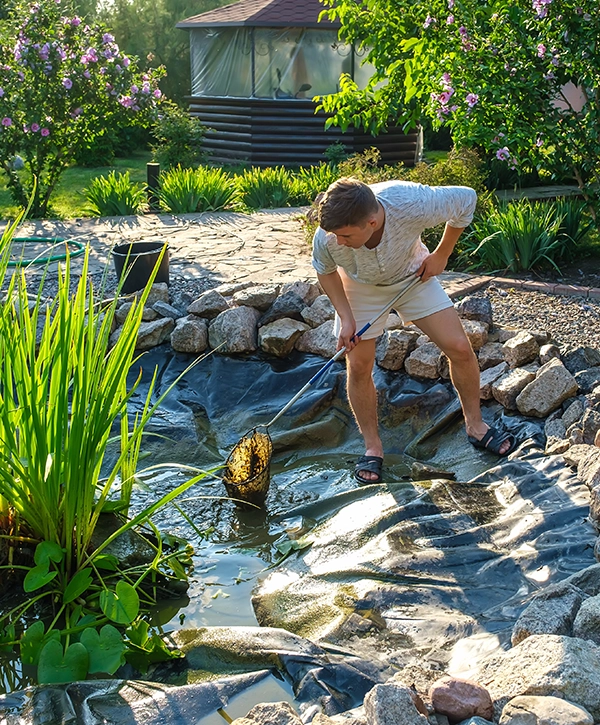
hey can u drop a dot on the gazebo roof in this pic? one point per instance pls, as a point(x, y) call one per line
point(263, 13)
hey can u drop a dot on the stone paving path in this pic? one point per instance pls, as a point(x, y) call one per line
point(226, 247)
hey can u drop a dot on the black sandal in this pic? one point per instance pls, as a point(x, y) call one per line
point(373, 464)
point(492, 441)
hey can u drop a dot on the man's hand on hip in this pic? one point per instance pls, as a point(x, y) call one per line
point(431, 266)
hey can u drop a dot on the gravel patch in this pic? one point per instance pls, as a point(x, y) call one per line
point(571, 321)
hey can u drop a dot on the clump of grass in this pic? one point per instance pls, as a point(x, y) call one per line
point(115, 195)
point(268, 188)
point(186, 191)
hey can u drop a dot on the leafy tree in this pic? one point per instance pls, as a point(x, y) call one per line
point(520, 80)
point(62, 82)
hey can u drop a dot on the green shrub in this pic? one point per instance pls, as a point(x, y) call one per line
point(268, 188)
point(522, 236)
point(308, 183)
point(115, 195)
point(178, 138)
point(185, 191)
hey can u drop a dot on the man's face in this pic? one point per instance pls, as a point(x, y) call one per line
point(355, 235)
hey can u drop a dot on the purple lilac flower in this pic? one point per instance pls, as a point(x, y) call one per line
point(76, 21)
point(503, 154)
point(45, 132)
point(463, 31)
point(145, 87)
point(428, 21)
point(126, 61)
point(541, 50)
point(472, 99)
point(1, 92)
point(446, 80)
point(67, 83)
point(108, 38)
point(555, 61)
point(444, 97)
point(35, 127)
point(134, 89)
point(541, 7)
point(539, 141)
point(87, 74)
point(157, 93)
point(6, 121)
point(450, 4)
point(449, 19)
point(126, 101)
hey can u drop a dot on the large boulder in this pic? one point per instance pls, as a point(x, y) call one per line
point(319, 312)
point(190, 335)
point(151, 334)
point(587, 621)
point(475, 308)
point(549, 710)
point(234, 330)
point(546, 664)
point(487, 379)
point(460, 699)
point(393, 347)
point(288, 304)
point(552, 611)
point(521, 349)
point(588, 379)
point(320, 341)
point(392, 704)
point(424, 362)
point(307, 291)
point(260, 296)
point(210, 304)
point(270, 713)
point(581, 358)
point(279, 337)
point(553, 384)
point(477, 332)
point(509, 386)
point(490, 355)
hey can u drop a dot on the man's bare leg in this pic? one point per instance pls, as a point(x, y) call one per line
point(363, 398)
point(445, 329)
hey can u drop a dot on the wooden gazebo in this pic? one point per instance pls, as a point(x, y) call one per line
point(255, 67)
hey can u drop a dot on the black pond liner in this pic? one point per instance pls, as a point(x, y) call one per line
point(136, 260)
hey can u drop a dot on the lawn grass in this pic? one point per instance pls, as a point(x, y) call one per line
point(67, 200)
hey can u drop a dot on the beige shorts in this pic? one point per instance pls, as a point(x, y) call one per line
point(367, 300)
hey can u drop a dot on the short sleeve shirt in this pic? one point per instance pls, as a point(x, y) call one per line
point(409, 209)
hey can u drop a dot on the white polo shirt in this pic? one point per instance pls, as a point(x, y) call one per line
point(409, 209)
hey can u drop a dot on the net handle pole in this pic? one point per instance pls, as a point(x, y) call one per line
point(339, 353)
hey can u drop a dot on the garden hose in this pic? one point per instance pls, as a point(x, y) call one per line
point(54, 241)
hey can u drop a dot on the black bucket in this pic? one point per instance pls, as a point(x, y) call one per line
point(137, 260)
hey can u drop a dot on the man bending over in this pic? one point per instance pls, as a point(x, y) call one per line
point(366, 250)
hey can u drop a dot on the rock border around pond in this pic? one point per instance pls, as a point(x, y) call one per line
point(553, 665)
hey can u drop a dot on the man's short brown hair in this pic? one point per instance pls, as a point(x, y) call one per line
point(347, 202)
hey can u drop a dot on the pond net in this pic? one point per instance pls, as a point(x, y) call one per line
point(247, 469)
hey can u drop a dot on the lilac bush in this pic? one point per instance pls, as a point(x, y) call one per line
point(518, 80)
point(62, 82)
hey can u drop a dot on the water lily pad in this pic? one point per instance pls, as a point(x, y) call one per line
point(78, 584)
point(105, 648)
point(122, 605)
point(58, 667)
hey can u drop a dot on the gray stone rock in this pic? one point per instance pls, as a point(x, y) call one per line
point(546, 664)
point(319, 312)
point(307, 291)
point(548, 352)
point(424, 361)
point(477, 332)
point(549, 710)
point(588, 468)
point(587, 621)
point(320, 341)
point(210, 304)
point(573, 412)
point(393, 347)
point(164, 309)
point(159, 292)
point(487, 379)
point(555, 428)
point(475, 308)
point(392, 704)
point(506, 333)
point(590, 425)
point(554, 446)
point(490, 355)
point(460, 699)
point(286, 305)
point(123, 310)
point(553, 384)
point(260, 296)
point(394, 322)
point(234, 330)
point(575, 454)
point(542, 337)
point(228, 289)
point(279, 337)
point(356, 716)
point(581, 358)
point(190, 335)
point(521, 349)
point(551, 611)
point(588, 580)
point(575, 435)
point(588, 379)
point(273, 713)
point(509, 386)
point(150, 334)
